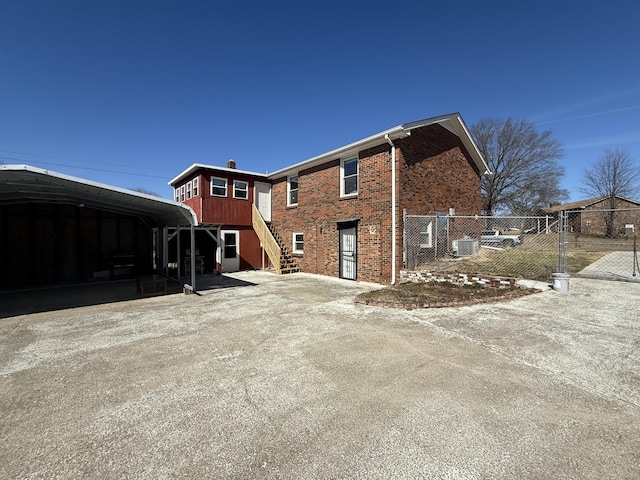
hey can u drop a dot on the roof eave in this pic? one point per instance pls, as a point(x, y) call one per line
point(200, 166)
point(347, 150)
point(452, 122)
point(89, 187)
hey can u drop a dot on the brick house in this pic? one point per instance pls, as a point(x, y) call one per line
point(599, 216)
point(340, 213)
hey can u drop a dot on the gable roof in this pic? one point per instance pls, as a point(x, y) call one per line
point(24, 184)
point(452, 122)
point(201, 166)
point(583, 204)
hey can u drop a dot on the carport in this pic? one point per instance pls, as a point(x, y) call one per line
point(56, 228)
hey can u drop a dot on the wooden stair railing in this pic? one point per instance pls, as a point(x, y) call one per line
point(279, 255)
point(268, 242)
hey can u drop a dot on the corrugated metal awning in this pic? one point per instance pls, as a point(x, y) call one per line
point(27, 184)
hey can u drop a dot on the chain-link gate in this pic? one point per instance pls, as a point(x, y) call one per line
point(608, 238)
point(590, 244)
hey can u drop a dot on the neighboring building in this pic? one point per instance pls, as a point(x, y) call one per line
point(340, 213)
point(599, 216)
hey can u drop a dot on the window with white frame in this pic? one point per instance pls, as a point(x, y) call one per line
point(188, 190)
point(218, 187)
point(425, 226)
point(182, 193)
point(349, 176)
point(298, 242)
point(240, 189)
point(292, 190)
point(195, 187)
point(177, 194)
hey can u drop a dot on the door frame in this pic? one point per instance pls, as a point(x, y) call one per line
point(256, 191)
point(342, 226)
point(229, 265)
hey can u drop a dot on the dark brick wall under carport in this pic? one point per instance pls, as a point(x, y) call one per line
point(48, 243)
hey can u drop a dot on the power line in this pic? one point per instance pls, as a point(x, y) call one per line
point(83, 168)
point(30, 154)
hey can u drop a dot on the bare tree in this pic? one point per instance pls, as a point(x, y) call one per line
point(526, 175)
point(614, 175)
point(145, 191)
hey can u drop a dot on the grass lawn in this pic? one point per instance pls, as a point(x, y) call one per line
point(535, 259)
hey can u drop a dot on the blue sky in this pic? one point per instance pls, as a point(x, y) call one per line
point(130, 93)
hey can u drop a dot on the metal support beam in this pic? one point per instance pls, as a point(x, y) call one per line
point(179, 271)
point(193, 257)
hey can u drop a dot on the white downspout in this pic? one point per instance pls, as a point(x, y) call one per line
point(393, 209)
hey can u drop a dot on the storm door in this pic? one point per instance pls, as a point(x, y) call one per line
point(230, 250)
point(348, 253)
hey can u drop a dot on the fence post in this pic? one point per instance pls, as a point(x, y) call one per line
point(404, 237)
point(562, 241)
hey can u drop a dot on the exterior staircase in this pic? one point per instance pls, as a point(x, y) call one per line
point(278, 253)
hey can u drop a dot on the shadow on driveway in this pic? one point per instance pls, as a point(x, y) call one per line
point(63, 296)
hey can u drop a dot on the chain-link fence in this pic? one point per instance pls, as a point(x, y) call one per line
point(531, 247)
point(608, 238)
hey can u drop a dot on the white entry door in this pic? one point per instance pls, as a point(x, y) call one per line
point(262, 199)
point(230, 243)
point(348, 253)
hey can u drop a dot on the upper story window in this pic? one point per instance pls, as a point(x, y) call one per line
point(298, 242)
point(292, 190)
point(240, 189)
point(188, 190)
point(218, 187)
point(182, 193)
point(195, 187)
point(177, 194)
point(349, 176)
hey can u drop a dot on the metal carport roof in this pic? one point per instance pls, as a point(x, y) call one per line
point(24, 184)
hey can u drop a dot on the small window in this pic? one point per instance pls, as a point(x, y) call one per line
point(230, 245)
point(349, 177)
point(195, 187)
point(182, 193)
point(218, 187)
point(298, 242)
point(188, 190)
point(177, 194)
point(240, 189)
point(292, 190)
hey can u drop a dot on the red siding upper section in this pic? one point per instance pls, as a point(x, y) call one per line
point(221, 210)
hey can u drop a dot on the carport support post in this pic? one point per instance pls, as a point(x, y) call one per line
point(165, 249)
point(179, 270)
point(193, 257)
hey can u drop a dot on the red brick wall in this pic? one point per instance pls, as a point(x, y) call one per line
point(593, 220)
point(434, 173)
point(320, 207)
point(437, 173)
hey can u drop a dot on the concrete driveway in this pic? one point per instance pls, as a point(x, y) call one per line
point(614, 266)
point(285, 377)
